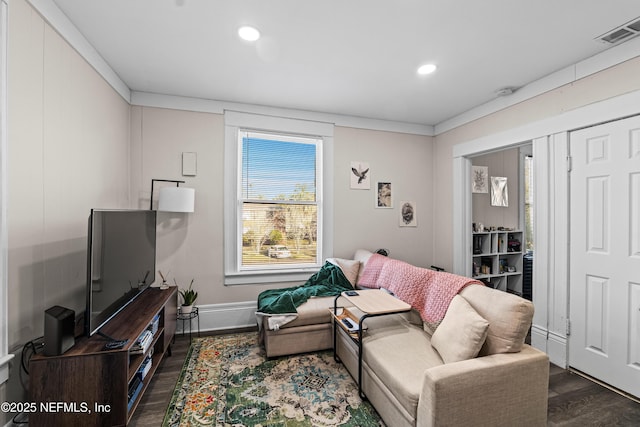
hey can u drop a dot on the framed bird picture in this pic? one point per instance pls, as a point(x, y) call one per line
point(360, 176)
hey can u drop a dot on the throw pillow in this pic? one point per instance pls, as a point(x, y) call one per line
point(349, 267)
point(461, 334)
point(363, 256)
point(509, 318)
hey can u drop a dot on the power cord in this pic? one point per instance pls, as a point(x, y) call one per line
point(34, 345)
point(30, 348)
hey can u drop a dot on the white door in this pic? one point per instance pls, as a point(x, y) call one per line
point(604, 273)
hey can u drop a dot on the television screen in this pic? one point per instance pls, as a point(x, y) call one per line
point(121, 262)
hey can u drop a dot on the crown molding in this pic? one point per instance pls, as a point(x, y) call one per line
point(603, 60)
point(146, 99)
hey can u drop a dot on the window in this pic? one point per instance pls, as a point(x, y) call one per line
point(528, 202)
point(278, 201)
point(278, 198)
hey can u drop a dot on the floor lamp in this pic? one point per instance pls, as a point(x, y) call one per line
point(173, 199)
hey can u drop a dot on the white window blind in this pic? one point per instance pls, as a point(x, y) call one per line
point(278, 200)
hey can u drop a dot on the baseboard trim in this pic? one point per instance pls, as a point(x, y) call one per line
point(552, 343)
point(217, 317)
point(557, 349)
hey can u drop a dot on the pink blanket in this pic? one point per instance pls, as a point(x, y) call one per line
point(429, 292)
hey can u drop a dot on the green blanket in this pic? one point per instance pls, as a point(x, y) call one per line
point(328, 281)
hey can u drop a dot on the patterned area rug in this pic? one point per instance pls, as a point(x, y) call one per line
point(227, 381)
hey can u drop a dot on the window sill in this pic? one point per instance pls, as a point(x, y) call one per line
point(4, 367)
point(256, 278)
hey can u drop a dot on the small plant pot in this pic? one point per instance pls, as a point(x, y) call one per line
point(186, 309)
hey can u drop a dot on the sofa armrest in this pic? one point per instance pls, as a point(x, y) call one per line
point(506, 389)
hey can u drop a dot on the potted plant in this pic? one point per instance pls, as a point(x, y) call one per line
point(189, 297)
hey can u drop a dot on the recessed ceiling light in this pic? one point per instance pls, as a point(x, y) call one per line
point(426, 69)
point(249, 34)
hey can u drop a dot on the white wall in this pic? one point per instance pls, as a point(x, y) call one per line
point(191, 245)
point(503, 163)
point(407, 162)
point(68, 143)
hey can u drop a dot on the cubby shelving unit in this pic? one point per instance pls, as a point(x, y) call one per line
point(496, 261)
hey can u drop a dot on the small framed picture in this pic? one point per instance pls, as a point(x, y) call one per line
point(360, 176)
point(480, 179)
point(408, 214)
point(384, 198)
point(499, 191)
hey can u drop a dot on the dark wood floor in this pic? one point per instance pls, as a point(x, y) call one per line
point(573, 399)
point(577, 401)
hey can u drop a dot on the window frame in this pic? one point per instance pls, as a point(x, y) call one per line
point(5, 356)
point(317, 142)
point(236, 122)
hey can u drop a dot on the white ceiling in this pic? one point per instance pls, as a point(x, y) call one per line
point(348, 57)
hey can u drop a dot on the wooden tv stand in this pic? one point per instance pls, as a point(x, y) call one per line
point(88, 385)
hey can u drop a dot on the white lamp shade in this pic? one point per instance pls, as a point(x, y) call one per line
point(176, 199)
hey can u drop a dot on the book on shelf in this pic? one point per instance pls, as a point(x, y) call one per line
point(153, 327)
point(142, 343)
point(134, 390)
point(145, 367)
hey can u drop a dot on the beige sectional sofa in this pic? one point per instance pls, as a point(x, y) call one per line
point(312, 330)
point(409, 382)
point(472, 370)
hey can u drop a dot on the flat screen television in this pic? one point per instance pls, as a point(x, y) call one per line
point(121, 262)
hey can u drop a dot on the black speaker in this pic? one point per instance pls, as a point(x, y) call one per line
point(59, 327)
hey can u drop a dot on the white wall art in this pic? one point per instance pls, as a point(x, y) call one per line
point(383, 195)
point(499, 192)
point(408, 214)
point(360, 176)
point(480, 179)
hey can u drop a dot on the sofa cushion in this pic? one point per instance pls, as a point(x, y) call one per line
point(363, 256)
point(349, 267)
point(461, 333)
point(399, 354)
point(509, 318)
point(314, 311)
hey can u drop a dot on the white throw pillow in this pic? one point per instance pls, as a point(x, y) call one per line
point(461, 334)
point(362, 255)
point(349, 267)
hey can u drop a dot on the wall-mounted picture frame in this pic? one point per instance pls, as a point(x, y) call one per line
point(499, 191)
point(360, 176)
point(479, 179)
point(408, 214)
point(384, 199)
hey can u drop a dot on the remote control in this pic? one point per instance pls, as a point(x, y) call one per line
point(350, 325)
point(113, 345)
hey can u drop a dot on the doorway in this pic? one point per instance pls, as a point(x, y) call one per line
point(550, 138)
point(502, 210)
